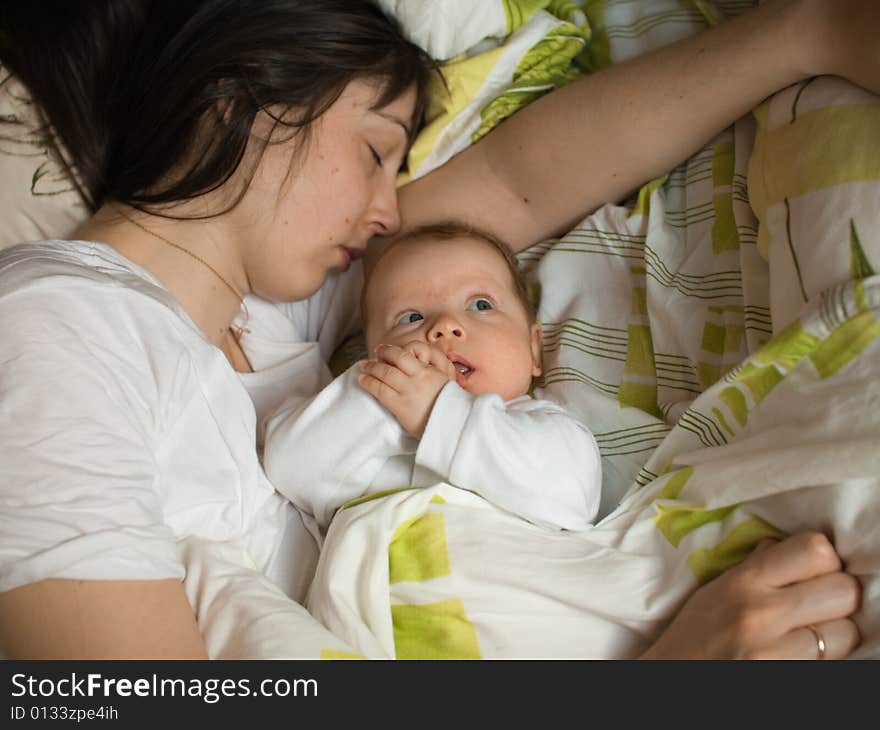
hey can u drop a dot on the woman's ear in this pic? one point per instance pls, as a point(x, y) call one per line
point(536, 349)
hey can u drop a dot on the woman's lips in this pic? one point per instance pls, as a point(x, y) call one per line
point(350, 254)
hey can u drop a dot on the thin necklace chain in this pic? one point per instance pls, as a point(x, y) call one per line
point(186, 251)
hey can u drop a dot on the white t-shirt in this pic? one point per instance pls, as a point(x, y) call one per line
point(123, 430)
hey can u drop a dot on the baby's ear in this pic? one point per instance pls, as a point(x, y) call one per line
point(536, 349)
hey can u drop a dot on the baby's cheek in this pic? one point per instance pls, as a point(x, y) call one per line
point(514, 373)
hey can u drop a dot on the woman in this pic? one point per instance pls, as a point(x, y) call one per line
point(251, 148)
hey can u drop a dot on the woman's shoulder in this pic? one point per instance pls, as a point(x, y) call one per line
point(36, 264)
point(70, 281)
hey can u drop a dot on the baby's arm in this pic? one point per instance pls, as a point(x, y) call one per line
point(529, 457)
point(324, 451)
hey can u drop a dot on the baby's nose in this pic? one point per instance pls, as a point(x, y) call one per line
point(445, 327)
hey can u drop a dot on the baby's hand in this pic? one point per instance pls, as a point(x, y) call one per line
point(405, 384)
point(431, 355)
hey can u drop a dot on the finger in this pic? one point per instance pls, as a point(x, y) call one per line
point(442, 363)
point(421, 350)
point(765, 543)
point(832, 640)
point(826, 598)
point(391, 375)
point(797, 558)
point(400, 358)
point(382, 392)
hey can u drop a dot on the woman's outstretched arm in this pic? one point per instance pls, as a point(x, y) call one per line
point(95, 619)
point(764, 608)
point(598, 139)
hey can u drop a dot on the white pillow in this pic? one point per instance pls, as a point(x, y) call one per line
point(39, 200)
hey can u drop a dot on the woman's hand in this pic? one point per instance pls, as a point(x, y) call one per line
point(763, 608)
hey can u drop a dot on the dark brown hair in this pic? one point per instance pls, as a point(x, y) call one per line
point(448, 231)
point(130, 86)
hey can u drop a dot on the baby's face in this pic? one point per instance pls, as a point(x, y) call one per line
point(459, 296)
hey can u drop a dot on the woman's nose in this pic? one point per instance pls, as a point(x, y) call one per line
point(445, 327)
point(385, 213)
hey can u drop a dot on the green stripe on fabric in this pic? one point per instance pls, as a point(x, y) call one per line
point(861, 301)
point(759, 380)
point(725, 234)
point(736, 404)
point(844, 344)
point(677, 521)
point(598, 52)
point(776, 358)
point(639, 300)
point(418, 549)
point(375, 495)
point(709, 13)
point(708, 373)
point(723, 421)
point(334, 654)
point(789, 347)
point(643, 204)
point(639, 395)
point(733, 337)
point(639, 351)
point(860, 267)
point(439, 630)
point(713, 338)
point(519, 11)
point(707, 563)
point(722, 164)
point(676, 482)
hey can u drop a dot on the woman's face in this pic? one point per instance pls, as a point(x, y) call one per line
point(310, 212)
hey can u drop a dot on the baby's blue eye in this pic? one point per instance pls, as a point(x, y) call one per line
point(409, 318)
point(480, 305)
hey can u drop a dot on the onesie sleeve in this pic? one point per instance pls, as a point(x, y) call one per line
point(323, 451)
point(527, 456)
point(78, 497)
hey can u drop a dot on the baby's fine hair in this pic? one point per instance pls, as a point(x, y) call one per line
point(453, 230)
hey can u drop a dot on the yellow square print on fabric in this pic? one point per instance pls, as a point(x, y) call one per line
point(418, 550)
point(438, 630)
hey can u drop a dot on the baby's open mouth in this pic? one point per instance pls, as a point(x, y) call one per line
point(462, 367)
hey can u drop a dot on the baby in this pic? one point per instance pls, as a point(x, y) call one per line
point(445, 397)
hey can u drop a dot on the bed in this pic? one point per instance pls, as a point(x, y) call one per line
point(718, 332)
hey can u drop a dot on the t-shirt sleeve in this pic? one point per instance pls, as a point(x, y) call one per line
point(79, 497)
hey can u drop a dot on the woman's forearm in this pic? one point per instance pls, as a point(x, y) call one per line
point(91, 619)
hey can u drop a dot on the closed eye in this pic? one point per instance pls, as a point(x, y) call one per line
point(479, 304)
point(376, 157)
point(409, 318)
